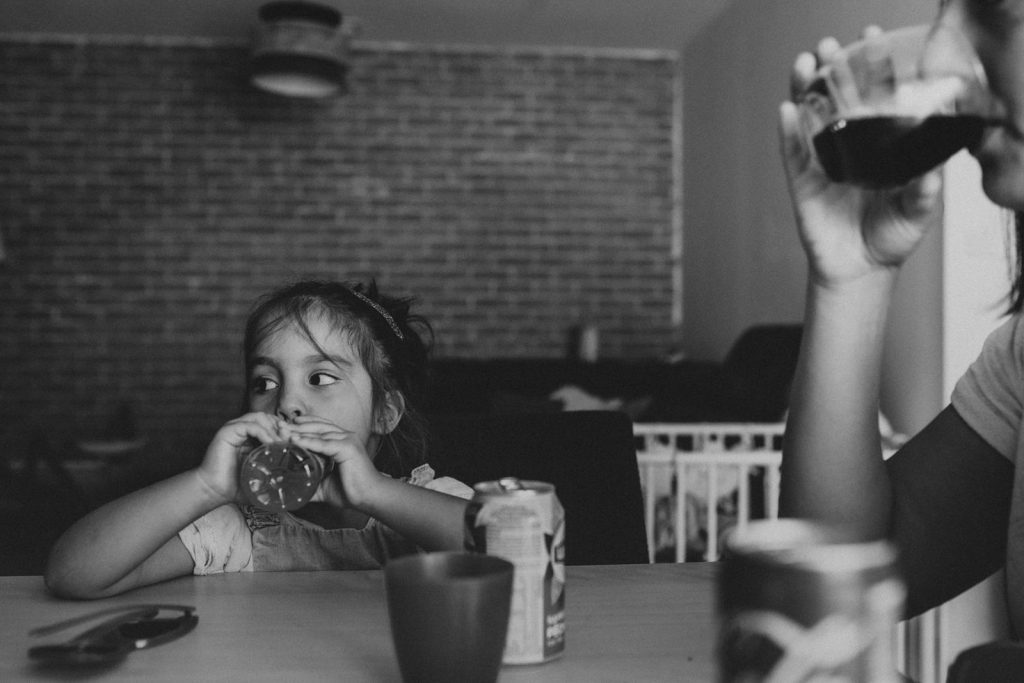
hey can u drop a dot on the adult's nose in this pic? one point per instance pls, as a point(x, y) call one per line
point(948, 51)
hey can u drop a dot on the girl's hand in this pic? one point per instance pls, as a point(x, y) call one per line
point(219, 469)
point(355, 467)
point(846, 231)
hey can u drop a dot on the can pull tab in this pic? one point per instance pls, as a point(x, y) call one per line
point(510, 484)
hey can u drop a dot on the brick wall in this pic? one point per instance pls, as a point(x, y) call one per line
point(149, 194)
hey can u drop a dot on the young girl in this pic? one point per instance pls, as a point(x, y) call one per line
point(334, 368)
point(952, 498)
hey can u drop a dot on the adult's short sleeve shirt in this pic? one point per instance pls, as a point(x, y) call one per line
point(989, 397)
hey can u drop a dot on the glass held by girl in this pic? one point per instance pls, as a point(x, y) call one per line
point(334, 368)
point(952, 498)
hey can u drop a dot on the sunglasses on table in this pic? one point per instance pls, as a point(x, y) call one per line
point(131, 628)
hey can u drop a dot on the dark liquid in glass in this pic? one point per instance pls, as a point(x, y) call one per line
point(889, 151)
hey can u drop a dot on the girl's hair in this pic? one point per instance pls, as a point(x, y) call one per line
point(1017, 292)
point(393, 345)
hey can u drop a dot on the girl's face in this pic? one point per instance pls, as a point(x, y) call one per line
point(996, 29)
point(289, 376)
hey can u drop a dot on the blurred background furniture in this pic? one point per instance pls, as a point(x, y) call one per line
point(997, 662)
point(751, 384)
point(52, 474)
point(588, 456)
point(88, 464)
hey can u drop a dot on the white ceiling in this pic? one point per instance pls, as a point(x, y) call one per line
point(662, 24)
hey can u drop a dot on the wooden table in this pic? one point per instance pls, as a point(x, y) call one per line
point(623, 623)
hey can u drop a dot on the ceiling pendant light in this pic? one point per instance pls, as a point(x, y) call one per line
point(299, 50)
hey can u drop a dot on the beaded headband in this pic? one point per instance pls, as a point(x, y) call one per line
point(382, 311)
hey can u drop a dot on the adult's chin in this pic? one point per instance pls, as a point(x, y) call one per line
point(1006, 190)
point(1001, 157)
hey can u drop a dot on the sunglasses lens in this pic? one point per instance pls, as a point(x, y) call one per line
point(82, 653)
point(148, 628)
point(142, 633)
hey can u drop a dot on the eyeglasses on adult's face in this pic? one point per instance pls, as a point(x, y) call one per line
point(133, 627)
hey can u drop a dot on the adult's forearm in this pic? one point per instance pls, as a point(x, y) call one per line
point(832, 467)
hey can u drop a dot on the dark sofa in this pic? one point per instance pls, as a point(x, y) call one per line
point(751, 384)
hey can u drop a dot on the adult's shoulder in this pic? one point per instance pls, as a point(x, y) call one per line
point(990, 395)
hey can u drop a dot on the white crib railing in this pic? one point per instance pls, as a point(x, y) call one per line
point(683, 463)
point(673, 458)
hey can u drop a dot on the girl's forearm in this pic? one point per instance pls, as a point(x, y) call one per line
point(430, 519)
point(832, 468)
point(115, 540)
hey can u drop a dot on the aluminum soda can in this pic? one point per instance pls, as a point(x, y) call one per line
point(523, 522)
point(796, 602)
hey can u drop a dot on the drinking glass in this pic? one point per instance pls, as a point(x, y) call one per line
point(892, 106)
point(280, 476)
point(449, 615)
point(799, 601)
